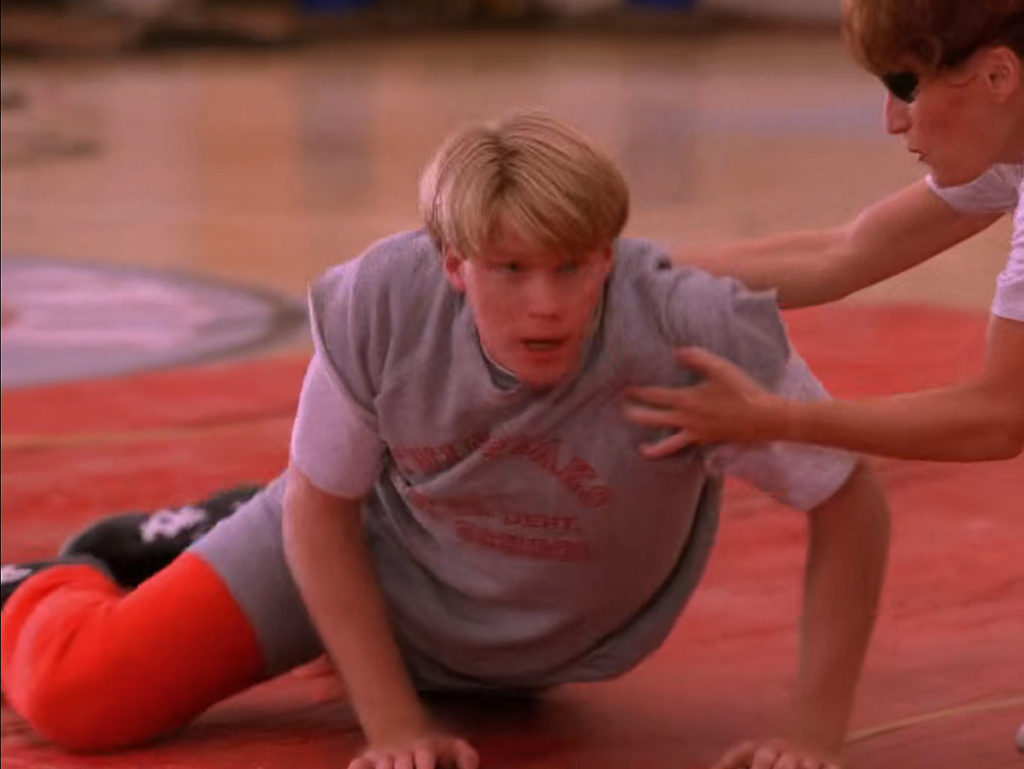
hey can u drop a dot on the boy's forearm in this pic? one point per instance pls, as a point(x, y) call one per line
point(331, 566)
point(849, 537)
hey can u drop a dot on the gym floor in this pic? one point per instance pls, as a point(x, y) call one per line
point(173, 176)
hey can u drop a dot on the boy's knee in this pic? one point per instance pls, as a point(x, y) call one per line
point(65, 710)
point(56, 661)
point(93, 669)
point(88, 702)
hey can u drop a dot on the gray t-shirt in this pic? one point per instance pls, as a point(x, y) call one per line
point(519, 537)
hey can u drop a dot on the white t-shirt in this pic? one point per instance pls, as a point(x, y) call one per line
point(1001, 188)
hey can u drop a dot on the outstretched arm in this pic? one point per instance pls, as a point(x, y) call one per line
point(814, 267)
point(982, 419)
point(847, 551)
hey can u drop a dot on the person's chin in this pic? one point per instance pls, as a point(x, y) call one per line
point(954, 177)
point(544, 370)
point(947, 180)
point(543, 381)
point(543, 377)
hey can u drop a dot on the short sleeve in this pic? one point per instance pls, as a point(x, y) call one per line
point(350, 329)
point(335, 439)
point(332, 444)
point(994, 191)
point(798, 475)
point(724, 317)
point(1009, 297)
point(997, 190)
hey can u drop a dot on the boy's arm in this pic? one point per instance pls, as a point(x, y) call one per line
point(848, 545)
point(848, 523)
point(814, 267)
point(326, 551)
point(847, 550)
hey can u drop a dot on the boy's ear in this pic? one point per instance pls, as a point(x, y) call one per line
point(453, 267)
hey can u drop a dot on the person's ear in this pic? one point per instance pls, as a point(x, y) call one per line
point(453, 269)
point(1001, 69)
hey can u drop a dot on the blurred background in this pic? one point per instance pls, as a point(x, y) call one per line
point(174, 173)
point(253, 143)
point(173, 170)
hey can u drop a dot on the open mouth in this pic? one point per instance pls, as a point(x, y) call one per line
point(543, 344)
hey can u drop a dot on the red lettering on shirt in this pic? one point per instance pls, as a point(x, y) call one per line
point(428, 460)
point(517, 545)
point(576, 474)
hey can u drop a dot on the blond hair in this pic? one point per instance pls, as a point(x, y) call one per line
point(886, 35)
point(529, 176)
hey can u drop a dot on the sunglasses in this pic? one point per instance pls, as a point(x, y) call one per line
point(902, 85)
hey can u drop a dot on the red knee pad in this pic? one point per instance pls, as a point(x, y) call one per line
point(92, 668)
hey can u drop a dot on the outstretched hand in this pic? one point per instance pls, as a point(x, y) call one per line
point(428, 751)
point(774, 754)
point(728, 406)
point(421, 748)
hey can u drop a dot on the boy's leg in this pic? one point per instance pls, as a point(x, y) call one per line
point(93, 668)
point(135, 546)
point(247, 550)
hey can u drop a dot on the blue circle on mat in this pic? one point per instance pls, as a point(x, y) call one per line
point(68, 320)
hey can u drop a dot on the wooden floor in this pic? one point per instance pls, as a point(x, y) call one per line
point(265, 167)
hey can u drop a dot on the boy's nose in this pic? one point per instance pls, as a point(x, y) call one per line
point(543, 298)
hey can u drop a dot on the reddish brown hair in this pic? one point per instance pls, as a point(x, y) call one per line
point(886, 35)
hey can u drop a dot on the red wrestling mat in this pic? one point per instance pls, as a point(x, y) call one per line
point(944, 684)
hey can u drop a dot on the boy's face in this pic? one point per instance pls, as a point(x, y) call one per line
point(533, 312)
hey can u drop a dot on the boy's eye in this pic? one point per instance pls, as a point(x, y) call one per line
point(511, 267)
point(568, 267)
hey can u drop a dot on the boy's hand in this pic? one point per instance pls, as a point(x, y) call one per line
point(775, 754)
point(428, 751)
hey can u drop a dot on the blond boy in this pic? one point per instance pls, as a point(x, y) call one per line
point(465, 507)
